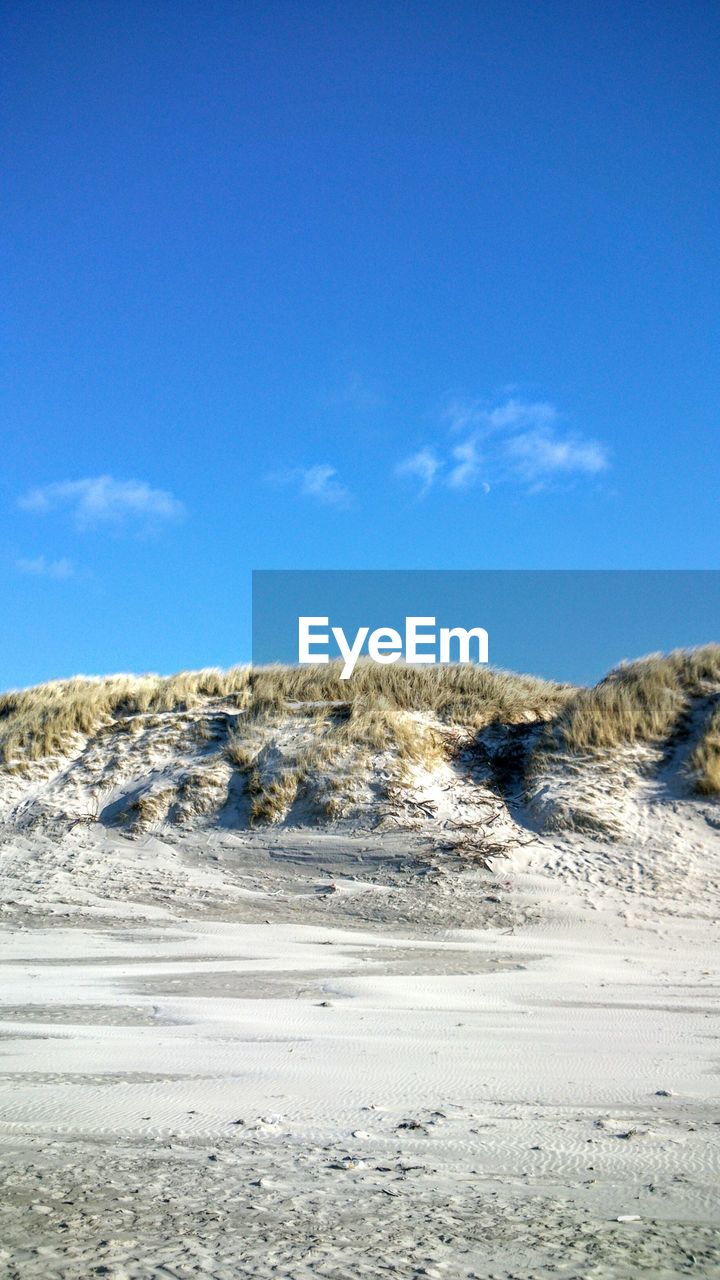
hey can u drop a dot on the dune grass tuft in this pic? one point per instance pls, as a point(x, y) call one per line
point(469, 695)
point(704, 759)
point(43, 720)
point(276, 797)
point(642, 701)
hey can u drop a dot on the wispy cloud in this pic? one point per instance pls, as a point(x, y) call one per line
point(518, 441)
point(103, 500)
point(423, 466)
point(540, 453)
point(41, 567)
point(511, 415)
point(466, 465)
point(319, 482)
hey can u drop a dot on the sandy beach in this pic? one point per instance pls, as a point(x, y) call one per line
point(301, 1083)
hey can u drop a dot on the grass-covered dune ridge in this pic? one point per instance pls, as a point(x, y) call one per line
point(640, 701)
point(399, 707)
point(651, 700)
point(42, 720)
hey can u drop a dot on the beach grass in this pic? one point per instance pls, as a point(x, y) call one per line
point(404, 709)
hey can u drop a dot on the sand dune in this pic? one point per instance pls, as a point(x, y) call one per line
point(468, 1029)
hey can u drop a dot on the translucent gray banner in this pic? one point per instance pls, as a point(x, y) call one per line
point(562, 624)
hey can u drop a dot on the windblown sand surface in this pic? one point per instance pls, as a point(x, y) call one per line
point(308, 1052)
point(299, 1085)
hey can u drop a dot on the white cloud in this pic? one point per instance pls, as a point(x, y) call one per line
point(466, 465)
point(475, 416)
point(537, 455)
point(41, 567)
point(319, 482)
point(521, 442)
point(99, 500)
point(423, 466)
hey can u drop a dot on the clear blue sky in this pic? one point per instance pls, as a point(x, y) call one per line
point(358, 284)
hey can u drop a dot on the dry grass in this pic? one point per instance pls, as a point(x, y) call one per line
point(704, 760)
point(375, 725)
point(337, 726)
point(641, 701)
point(469, 695)
point(276, 797)
point(151, 807)
point(44, 720)
point(201, 791)
point(341, 724)
point(240, 753)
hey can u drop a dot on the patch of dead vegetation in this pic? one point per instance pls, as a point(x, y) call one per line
point(703, 763)
point(45, 719)
point(640, 701)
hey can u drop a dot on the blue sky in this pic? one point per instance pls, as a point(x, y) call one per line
point(358, 285)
